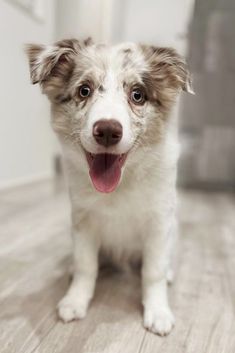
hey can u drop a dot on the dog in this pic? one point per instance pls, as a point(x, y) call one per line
point(111, 108)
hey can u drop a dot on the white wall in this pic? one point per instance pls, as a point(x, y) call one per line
point(158, 22)
point(26, 141)
point(84, 18)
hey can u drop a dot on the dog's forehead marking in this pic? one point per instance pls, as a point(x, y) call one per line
point(128, 56)
point(122, 62)
point(110, 67)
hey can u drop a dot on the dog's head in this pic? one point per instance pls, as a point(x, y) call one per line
point(108, 101)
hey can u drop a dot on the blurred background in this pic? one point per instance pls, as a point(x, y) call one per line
point(202, 30)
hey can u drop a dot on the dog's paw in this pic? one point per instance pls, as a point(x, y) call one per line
point(158, 320)
point(69, 308)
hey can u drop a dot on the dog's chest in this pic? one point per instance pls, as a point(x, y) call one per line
point(120, 223)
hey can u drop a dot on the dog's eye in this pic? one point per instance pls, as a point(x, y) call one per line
point(138, 96)
point(84, 91)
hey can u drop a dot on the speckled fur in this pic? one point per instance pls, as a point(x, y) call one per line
point(138, 218)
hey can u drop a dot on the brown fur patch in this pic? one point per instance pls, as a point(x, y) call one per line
point(62, 68)
point(53, 67)
point(167, 74)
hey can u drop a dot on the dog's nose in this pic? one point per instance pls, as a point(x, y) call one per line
point(107, 132)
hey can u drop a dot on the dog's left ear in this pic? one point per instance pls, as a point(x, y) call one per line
point(166, 65)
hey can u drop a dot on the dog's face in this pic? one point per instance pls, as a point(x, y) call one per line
point(109, 101)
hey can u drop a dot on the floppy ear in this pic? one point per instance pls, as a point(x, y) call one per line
point(55, 60)
point(52, 66)
point(167, 67)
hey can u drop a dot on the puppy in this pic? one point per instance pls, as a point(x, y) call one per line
point(111, 110)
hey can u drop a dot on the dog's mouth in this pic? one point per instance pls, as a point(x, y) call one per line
point(105, 170)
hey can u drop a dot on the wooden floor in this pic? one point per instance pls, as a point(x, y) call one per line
point(35, 257)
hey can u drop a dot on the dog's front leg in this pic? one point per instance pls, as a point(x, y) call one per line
point(158, 317)
point(75, 303)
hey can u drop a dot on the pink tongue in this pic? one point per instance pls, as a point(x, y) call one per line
point(105, 172)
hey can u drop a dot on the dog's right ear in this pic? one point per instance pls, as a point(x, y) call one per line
point(54, 60)
point(52, 66)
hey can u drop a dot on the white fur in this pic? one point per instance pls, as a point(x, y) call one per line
point(111, 105)
point(136, 220)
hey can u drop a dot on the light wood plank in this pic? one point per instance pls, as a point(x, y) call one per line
point(34, 275)
point(200, 297)
point(113, 323)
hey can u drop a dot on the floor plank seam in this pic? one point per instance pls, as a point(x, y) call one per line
point(228, 281)
point(42, 340)
point(142, 342)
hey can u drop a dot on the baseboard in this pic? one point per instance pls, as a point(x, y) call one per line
point(26, 180)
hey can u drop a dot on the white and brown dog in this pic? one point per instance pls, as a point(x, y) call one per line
point(111, 111)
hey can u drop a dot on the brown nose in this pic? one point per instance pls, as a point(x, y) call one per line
point(107, 132)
